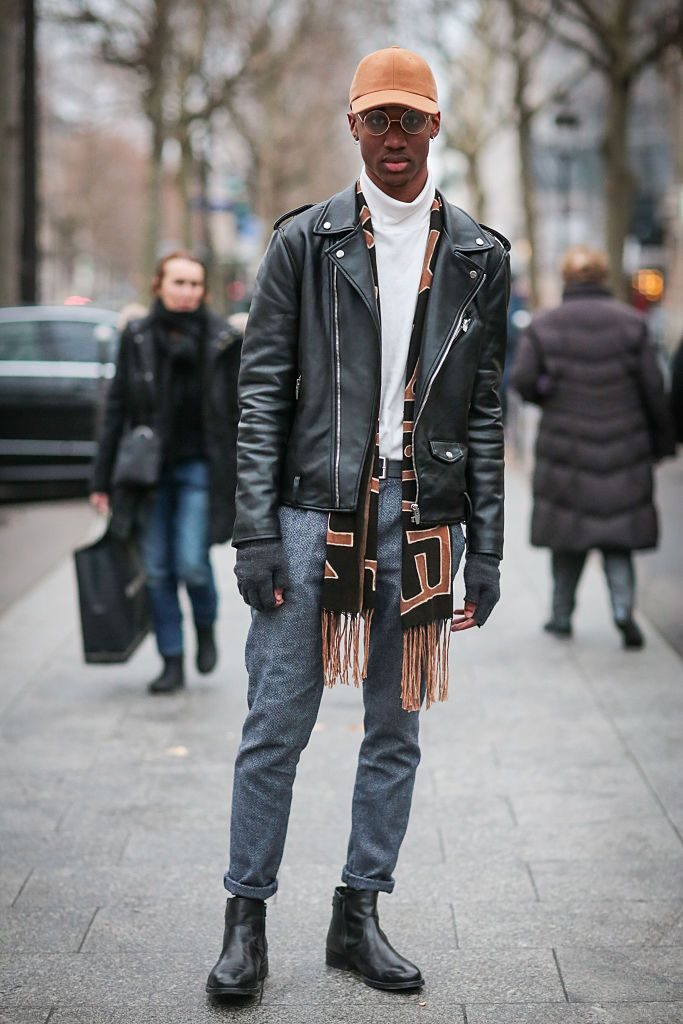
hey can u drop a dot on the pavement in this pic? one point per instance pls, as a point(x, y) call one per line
point(541, 880)
point(661, 571)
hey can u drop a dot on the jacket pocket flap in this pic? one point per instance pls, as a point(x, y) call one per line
point(447, 451)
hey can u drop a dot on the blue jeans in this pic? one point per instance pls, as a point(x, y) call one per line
point(284, 662)
point(174, 542)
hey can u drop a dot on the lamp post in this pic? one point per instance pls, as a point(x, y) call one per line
point(566, 121)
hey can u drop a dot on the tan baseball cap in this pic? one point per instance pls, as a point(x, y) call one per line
point(396, 76)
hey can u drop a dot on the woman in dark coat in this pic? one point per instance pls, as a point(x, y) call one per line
point(604, 423)
point(177, 372)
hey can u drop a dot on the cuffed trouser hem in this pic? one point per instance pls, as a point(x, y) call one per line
point(252, 892)
point(372, 884)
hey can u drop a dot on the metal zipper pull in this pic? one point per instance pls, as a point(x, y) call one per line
point(298, 387)
point(465, 324)
point(415, 518)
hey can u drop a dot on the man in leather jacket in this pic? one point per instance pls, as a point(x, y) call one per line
point(370, 430)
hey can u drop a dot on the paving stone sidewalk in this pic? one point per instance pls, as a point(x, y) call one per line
point(541, 881)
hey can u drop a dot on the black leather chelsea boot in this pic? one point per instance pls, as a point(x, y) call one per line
point(243, 963)
point(355, 942)
point(172, 676)
point(207, 653)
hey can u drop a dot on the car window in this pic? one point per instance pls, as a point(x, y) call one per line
point(20, 340)
point(57, 341)
point(74, 341)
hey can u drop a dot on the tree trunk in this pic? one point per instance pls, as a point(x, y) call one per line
point(185, 180)
point(618, 179)
point(155, 94)
point(673, 297)
point(474, 180)
point(10, 131)
point(153, 203)
point(28, 282)
point(528, 189)
point(527, 180)
point(208, 253)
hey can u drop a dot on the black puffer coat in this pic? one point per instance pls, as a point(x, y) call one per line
point(128, 404)
point(589, 365)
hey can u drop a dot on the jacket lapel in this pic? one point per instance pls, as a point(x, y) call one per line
point(348, 250)
point(458, 275)
point(350, 256)
point(219, 337)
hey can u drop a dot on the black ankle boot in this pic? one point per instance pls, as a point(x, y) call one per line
point(355, 942)
point(243, 963)
point(207, 655)
point(630, 631)
point(558, 627)
point(172, 676)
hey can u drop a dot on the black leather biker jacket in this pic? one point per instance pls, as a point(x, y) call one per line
point(310, 376)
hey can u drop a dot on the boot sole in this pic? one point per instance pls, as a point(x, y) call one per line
point(340, 962)
point(217, 993)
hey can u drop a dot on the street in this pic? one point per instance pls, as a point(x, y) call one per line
point(541, 880)
point(34, 537)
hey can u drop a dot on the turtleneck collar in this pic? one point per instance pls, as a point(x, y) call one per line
point(386, 211)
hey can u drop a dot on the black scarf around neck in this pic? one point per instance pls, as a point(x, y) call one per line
point(179, 334)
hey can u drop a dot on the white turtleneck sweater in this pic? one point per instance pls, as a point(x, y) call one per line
point(401, 231)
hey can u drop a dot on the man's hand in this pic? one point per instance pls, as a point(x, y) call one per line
point(100, 502)
point(463, 618)
point(482, 588)
point(261, 574)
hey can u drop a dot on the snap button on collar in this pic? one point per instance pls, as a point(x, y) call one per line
point(479, 241)
point(339, 253)
point(327, 225)
point(473, 273)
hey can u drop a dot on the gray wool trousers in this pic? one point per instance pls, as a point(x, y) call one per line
point(284, 663)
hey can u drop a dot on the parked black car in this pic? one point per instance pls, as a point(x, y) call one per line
point(55, 366)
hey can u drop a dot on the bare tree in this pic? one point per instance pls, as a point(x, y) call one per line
point(620, 39)
point(289, 108)
point(492, 86)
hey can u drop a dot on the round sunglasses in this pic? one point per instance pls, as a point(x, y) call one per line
point(377, 122)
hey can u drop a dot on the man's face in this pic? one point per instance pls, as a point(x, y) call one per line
point(397, 161)
point(182, 285)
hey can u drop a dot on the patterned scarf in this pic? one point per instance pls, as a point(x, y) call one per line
point(349, 584)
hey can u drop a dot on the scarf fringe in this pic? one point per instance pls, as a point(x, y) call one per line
point(425, 654)
point(342, 645)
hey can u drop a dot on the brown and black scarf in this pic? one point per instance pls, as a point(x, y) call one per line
point(349, 584)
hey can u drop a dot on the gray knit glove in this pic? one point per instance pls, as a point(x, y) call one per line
point(260, 567)
point(482, 584)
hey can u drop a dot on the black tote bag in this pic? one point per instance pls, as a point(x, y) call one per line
point(112, 599)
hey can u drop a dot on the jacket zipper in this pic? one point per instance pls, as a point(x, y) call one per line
point(297, 388)
point(462, 325)
point(337, 359)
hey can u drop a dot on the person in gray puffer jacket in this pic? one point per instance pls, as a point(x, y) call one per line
point(605, 421)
